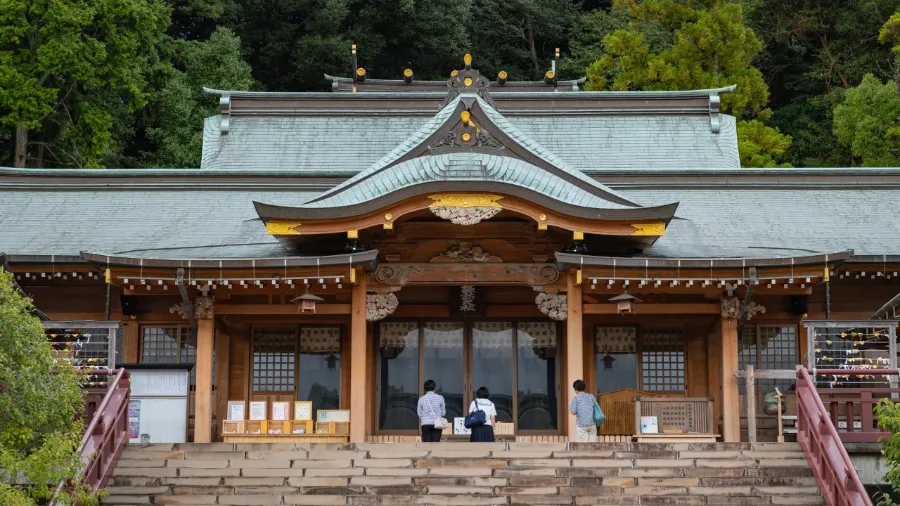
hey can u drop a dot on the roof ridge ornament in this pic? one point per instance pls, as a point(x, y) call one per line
point(468, 80)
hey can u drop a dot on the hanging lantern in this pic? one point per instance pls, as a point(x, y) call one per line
point(307, 302)
point(625, 303)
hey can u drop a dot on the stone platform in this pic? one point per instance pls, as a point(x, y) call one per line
point(662, 474)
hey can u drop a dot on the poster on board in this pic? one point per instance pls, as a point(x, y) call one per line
point(258, 410)
point(235, 410)
point(134, 419)
point(280, 410)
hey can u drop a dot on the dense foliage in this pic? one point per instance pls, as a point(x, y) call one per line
point(38, 404)
point(889, 419)
point(119, 84)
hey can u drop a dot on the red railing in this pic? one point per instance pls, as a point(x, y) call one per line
point(830, 463)
point(858, 404)
point(106, 434)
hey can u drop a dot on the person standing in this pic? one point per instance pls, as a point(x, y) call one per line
point(430, 407)
point(582, 407)
point(483, 433)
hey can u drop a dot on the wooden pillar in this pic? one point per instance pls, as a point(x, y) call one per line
point(203, 396)
point(574, 346)
point(731, 416)
point(130, 342)
point(223, 359)
point(359, 371)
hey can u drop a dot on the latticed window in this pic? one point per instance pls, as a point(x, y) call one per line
point(274, 359)
point(769, 347)
point(171, 345)
point(662, 360)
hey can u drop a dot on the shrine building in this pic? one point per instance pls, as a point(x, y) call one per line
point(343, 247)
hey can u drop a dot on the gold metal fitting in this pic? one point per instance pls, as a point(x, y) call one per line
point(408, 73)
point(577, 236)
point(466, 137)
point(360, 72)
point(353, 234)
point(467, 81)
point(465, 116)
point(453, 74)
point(502, 74)
point(467, 59)
point(388, 216)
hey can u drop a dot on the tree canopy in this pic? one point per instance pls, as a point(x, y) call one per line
point(38, 404)
point(117, 84)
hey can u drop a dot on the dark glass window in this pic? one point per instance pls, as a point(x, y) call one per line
point(492, 356)
point(320, 367)
point(616, 365)
point(399, 347)
point(537, 376)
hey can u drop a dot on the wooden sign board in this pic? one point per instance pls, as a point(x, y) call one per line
point(258, 410)
point(333, 415)
point(303, 410)
point(675, 416)
point(281, 411)
point(235, 411)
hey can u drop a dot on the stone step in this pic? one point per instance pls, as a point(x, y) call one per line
point(462, 473)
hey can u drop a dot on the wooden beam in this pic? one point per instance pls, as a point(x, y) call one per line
point(278, 309)
point(640, 308)
point(514, 311)
point(731, 419)
point(419, 311)
point(574, 345)
point(359, 372)
point(143, 317)
point(131, 340)
point(787, 374)
point(203, 397)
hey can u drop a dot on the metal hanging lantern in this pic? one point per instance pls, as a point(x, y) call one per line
point(625, 303)
point(307, 302)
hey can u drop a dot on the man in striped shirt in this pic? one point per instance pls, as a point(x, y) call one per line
point(582, 407)
point(431, 406)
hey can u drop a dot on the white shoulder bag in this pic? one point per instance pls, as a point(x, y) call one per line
point(439, 421)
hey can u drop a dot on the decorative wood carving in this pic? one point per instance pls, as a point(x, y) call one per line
point(465, 215)
point(554, 306)
point(465, 252)
point(466, 274)
point(753, 309)
point(204, 308)
point(731, 307)
point(380, 305)
point(467, 298)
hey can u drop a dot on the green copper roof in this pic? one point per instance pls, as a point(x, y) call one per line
point(567, 185)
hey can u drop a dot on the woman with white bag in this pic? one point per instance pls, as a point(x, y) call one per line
point(432, 411)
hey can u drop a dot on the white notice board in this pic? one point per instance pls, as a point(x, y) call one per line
point(159, 405)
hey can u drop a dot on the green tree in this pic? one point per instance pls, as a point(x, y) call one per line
point(66, 65)
point(889, 419)
point(868, 122)
point(813, 51)
point(519, 36)
point(709, 47)
point(760, 145)
point(181, 104)
point(38, 403)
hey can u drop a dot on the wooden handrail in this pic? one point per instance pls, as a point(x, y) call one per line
point(825, 452)
point(106, 434)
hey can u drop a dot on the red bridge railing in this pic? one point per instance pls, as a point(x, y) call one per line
point(858, 405)
point(106, 434)
point(830, 463)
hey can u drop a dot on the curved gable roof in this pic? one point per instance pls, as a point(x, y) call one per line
point(505, 155)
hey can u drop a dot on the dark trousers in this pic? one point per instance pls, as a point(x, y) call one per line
point(430, 434)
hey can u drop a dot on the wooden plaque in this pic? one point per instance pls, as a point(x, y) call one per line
point(333, 415)
point(281, 411)
point(303, 410)
point(258, 410)
point(236, 411)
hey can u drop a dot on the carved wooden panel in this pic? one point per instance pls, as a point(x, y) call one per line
point(480, 274)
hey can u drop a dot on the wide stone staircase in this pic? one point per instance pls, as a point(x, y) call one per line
point(683, 474)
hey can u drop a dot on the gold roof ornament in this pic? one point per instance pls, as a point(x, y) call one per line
point(465, 116)
point(467, 59)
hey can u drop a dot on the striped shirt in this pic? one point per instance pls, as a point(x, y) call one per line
point(431, 406)
point(583, 407)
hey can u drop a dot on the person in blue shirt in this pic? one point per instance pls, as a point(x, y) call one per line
point(431, 406)
point(582, 407)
